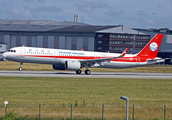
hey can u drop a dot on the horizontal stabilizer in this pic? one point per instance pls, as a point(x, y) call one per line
point(155, 61)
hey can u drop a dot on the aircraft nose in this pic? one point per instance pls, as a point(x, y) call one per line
point(4, 55)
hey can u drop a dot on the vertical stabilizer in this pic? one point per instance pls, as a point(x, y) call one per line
point(151, 49)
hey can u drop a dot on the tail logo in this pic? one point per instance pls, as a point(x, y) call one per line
point(153, 46)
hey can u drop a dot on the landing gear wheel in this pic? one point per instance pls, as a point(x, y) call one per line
point(21, 64)
point(87, 72)
point(78, 72)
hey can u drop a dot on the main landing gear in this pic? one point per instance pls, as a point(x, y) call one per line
point(78, 72)
point(21, 64)
point(87, 72)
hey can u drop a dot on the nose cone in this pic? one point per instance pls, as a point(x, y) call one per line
point(4, 55)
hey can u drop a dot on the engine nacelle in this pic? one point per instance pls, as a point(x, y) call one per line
point(68, 65)
point(59, 67)
point(73, 65)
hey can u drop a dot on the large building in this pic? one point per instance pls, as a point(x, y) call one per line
point(70, 35)
point(47, 34)
point(118, 38)
point(76, 36)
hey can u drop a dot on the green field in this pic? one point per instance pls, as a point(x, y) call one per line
point(28, 90)
point(55, 95)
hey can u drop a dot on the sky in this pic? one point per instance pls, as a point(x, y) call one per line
point(143, 14)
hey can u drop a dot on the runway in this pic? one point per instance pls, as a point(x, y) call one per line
point(72, 74)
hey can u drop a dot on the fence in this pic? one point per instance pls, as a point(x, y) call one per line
point(87, 112)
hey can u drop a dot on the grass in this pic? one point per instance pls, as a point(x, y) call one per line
point(24, 95)
point(8, 65)
point(28, 90)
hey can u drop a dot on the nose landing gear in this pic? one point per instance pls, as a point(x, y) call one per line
point(21, 64)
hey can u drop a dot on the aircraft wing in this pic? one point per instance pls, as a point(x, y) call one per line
point(94, 61)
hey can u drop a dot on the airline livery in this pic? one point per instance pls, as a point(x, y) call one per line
point(75, 60)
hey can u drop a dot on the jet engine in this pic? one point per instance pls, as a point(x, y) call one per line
point(68, 65)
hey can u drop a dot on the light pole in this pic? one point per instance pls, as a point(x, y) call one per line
point(127, 100)
point(6, 103)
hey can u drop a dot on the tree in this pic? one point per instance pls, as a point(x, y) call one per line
point(164, 29)
point(152, 29)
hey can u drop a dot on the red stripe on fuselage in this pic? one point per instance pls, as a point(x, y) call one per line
point(122, 59)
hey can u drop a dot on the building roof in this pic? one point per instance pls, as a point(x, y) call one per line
point(88, 28)
point(156, 31)
point(38, 22)
point(66, 26)
point(121, 29)
point(48, 26)
point(35, 25)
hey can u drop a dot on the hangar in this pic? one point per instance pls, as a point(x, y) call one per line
point(70, 35)
point(76, 36)
point(47, 34)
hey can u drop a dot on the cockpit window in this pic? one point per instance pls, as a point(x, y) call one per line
point(11, 50)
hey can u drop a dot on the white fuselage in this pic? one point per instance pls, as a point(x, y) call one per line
point(59, 56)
point(75, 60)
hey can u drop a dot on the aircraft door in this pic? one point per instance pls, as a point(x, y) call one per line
point(95, 56)
point(22, 51)
point(56, 53)
point(137, 60)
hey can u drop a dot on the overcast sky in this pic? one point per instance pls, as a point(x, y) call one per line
point(130, 13)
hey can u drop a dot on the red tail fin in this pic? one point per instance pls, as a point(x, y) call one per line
point(151, 49)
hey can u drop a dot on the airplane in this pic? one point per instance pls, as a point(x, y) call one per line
point(75, 60)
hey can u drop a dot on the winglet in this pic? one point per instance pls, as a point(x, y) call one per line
point(125, 51)
point(82, 49)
